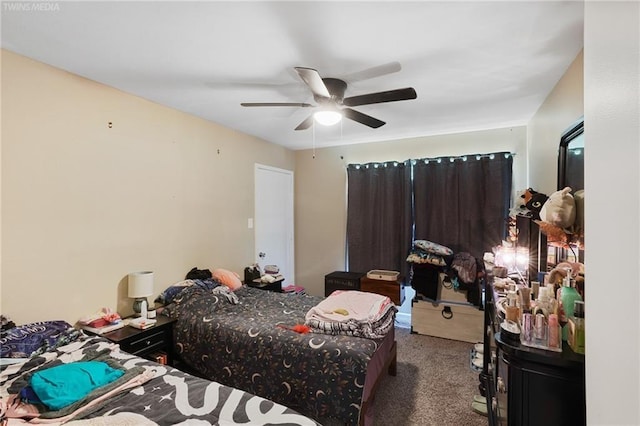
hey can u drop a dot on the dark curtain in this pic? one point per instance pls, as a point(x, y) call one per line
point(463, 202)
point(379, 221)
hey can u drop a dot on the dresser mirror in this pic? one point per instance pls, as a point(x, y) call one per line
point(571, 174)
point(571, 158)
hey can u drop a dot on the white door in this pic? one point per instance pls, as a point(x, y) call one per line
point(273, 230)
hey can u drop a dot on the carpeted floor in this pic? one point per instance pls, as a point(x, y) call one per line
point(435, 384)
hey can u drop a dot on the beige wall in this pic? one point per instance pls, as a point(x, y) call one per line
point(84, 204)
point(563, 107)
point(612, 230)
point(320, 192)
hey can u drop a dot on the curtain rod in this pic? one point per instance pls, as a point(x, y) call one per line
point(451, 158)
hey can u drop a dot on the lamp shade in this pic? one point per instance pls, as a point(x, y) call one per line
point(140, 284)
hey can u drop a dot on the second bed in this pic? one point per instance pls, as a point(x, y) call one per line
point(248, 339)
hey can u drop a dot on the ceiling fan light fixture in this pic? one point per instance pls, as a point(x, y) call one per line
point(327, 117)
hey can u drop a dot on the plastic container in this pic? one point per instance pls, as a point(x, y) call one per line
point(554, 338)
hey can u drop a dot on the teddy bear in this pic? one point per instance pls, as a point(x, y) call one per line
point(559, 209)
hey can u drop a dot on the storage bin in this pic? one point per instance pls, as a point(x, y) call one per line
point(454, 321)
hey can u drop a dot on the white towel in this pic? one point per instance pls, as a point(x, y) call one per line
point(350, 305)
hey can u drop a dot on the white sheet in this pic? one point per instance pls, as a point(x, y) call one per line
point(350, 305)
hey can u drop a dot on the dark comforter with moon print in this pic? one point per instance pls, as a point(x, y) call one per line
point(250, 346)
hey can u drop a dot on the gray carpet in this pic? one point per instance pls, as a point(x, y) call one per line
point(435, 384)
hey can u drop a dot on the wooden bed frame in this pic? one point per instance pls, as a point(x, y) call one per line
point(390, 366)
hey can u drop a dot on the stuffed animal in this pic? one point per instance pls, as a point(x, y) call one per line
point(559, 209)
point(529, 201)
point(535, 203)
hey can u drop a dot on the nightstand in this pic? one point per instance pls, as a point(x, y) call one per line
point(274, 286)
point(146, 343)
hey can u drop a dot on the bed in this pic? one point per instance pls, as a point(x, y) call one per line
point(152, 394)
point(251, 345)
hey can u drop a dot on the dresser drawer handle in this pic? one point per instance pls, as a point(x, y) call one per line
point(148, 342)
point(447, 313)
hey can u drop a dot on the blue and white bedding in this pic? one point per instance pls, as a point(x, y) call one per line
point(152, 394)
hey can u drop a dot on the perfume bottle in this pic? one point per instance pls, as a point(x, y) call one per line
point(568, 296)
point(540, 330)
point(577, 328)
point(554, 337)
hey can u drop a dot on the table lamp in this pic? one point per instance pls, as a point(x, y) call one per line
point(140, 287)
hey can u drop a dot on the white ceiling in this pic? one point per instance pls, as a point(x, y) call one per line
point(474, 65)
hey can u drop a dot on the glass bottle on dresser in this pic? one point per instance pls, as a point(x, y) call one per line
point(568, 295)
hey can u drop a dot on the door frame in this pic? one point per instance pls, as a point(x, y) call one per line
point(289, 211)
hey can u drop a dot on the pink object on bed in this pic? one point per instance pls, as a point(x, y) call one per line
point(228, 278)
point(350, 305)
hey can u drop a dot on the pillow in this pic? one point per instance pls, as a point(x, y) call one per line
point(421, 257)
point(228, 278)
point(172, 292)
point(26, 340)
point(431, 247)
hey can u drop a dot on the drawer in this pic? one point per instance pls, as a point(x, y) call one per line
point(392, 289)
point(455, 321)
point(146, 342)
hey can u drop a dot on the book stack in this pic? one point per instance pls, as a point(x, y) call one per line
point(142, 323)
point(293, 289)
point(159, 357)
point(103, 329)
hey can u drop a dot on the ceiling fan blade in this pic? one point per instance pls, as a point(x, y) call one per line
point(306, 123)
point(374, 72)
point(275, 104)
point(312, 79)
point(380, 97)
point(361, 118)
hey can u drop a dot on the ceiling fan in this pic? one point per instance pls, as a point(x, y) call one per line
point(329, 96)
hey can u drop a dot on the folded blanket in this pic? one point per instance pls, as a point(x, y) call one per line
point(371, 330)
point(350, 305)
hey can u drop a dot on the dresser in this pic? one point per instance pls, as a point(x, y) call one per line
point(394, 290)
point(341, 280)
point(528, 386)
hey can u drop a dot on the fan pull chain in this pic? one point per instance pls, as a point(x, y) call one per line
point(313, 142)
